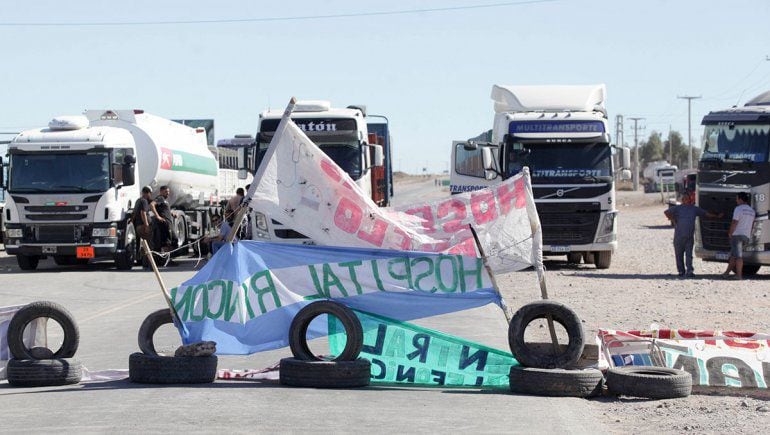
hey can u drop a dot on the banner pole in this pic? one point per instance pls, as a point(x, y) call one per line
point(491, 274)
point(164, 290)
point(244, 207)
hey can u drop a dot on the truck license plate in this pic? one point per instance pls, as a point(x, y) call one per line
point(722, 255)
point(49, 249)
point(84, 252)
point(560, 249)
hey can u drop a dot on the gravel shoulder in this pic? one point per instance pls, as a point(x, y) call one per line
point(641, 288)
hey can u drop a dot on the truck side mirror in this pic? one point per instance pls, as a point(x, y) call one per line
point(490, 173)
point(378, 158)
point(241, 160)
point(625, 156)
point(243, 174)
point(2, 173)
point(129, 177)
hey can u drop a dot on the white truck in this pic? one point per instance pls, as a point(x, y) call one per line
point(71, 187)
point(358, 143)
point(660, 176)
point(561, 133)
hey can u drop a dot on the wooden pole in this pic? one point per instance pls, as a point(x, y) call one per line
point(489, 271)
point(164, 290)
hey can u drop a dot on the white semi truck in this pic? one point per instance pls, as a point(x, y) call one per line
point(71, 187)
point(359, 144)
point(659, 176)
point(561, 133)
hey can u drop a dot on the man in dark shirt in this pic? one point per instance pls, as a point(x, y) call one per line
point(683, 217)
point(139, 216)
point(162, 210)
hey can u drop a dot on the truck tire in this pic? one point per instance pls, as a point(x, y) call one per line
point(151, 324)
point(43, 373)
point(574, 257)
point(556, 382)
point(154, 369)
point(179, 233)
point(124, 259)
point(560, 314)
point(37, 310)
point(602, 259)
point(27, 262)
point(325, 374)
point(298, 330)
point(649, 382)
point(750, 269)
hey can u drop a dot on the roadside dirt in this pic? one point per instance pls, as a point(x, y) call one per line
point(641, 288)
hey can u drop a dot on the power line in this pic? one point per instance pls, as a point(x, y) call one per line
point(274, 19)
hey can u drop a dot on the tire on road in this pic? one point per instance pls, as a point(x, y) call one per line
point(27, 262)
point(556, 382)
point(149, 326)
point(560, 314)
point(325, 374)
point(750, 269)
point(649, 382)
point(36, 310)
point(44, 373)
point(603, 259)
point(154, 369)
point(298, 330)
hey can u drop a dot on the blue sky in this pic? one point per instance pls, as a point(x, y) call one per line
point(430, 73)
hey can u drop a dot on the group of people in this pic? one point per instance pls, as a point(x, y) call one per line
point(683, 217)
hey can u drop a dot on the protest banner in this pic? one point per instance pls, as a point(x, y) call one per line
point(300, 186)
point(248, 293)
point(401, 352)
point(713, 358)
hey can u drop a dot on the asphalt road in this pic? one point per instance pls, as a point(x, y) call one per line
point(109, 306)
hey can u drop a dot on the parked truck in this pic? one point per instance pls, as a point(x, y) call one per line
point(71, 187)
point(561, 133)
point(659, 176)
point(359, 144)
point(735, 159)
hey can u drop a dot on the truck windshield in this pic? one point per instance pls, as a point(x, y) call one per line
point(579, 162)
point(345, 153)
point(747, 142)
point(59, 173)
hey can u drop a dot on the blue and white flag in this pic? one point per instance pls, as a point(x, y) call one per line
point(247, 295)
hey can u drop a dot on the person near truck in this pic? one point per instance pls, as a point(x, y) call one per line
point(162, 210)
point(233, 204)
point(740, 229)
point(140, 216)
point(683, 217)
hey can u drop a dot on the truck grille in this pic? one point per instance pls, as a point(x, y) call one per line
point(713, 232)
point(569, 224)
point(57, 217)
point(56, 234)
point(55, 208)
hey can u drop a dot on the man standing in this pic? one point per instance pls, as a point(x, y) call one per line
point(233, 204)
point(683, 217)
point(740, 229)
point(162, 210)
point(139, 216)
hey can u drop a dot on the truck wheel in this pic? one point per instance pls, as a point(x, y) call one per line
point(531, 357)
point(325, 374)
point(154, 369)
point(556, 382)
point(574, 257)
point(298, 330)
point(27, 262)
point(37, 310)
point(44, 373)
point(750, 269)
point(602, 259)
point(125, 260)
point(180, 233)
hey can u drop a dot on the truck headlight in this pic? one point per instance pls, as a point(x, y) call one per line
point(260, 220)
point(15, 233)
point(606, 227)
point(104, 232)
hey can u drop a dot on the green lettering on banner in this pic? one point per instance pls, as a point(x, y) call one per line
point(182, 306)
point(351, 265)
point(200, 293)
point(331, 280)
point(232, 301)
point(406, 276)
point(404, 353)
point(441, 284)
point(376, 274)
point(477, 272)
point(268, 288)
point(420, 276)
point(222, 300)
point(316, 284)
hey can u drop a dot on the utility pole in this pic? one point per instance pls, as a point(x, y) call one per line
point(670, 147)
point(636, 153)
point(619, 142)
point(689, 99)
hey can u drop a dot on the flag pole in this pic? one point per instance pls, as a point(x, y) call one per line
point(491, 274)
point(164, 290)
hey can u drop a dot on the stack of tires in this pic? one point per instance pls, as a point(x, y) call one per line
point(40, 366)
point(550, 373)
point(347, 370)
point(148, 367)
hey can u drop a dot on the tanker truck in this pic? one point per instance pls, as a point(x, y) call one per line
point(71, 187)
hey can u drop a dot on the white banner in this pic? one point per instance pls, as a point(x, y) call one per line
point(298, 185)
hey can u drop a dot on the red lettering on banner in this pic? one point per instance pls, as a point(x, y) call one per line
point(330, 170)
point(426, 213)
point(347, 216)
point(688, 334)
point(446, 208)
point(483, 207)
point(376, 235)
point(406, 241)
point(740, 343)
point(506, 196)
point(466, 247)
point(521, 196)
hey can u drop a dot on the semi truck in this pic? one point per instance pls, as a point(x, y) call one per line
point(359, 144)
point(71, 186)
point(561, 134)
point(659, 176)
point(735, 159)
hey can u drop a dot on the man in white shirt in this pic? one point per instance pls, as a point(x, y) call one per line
point(739, 232)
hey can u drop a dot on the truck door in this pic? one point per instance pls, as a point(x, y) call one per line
point(379, 181)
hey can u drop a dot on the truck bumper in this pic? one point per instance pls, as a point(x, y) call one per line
point(68, 250)
point(559, 250)
point(750, 257)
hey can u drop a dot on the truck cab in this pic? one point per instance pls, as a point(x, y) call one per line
point(345, 136)
point(561, 134)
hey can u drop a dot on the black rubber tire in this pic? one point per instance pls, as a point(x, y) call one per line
point(325, 374)
point(556, 382)
point(27, 262)
point(37, 310)
point(574, 257)
point(44, 372)
point(649, 382)
point(124, 260)
point(151, 324)
point(750, 269)
point(353, 330)
point(562, 315)
point(603, 259)
point(154, 369)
